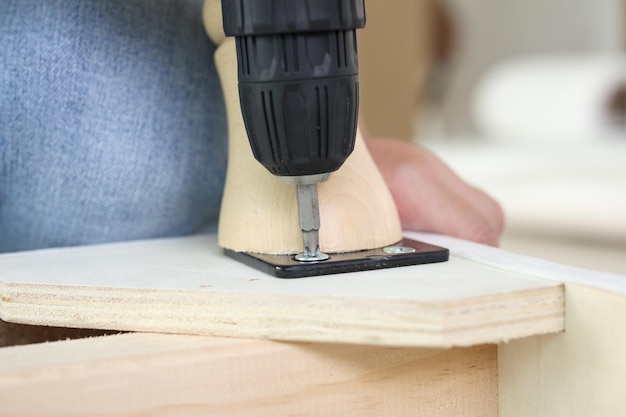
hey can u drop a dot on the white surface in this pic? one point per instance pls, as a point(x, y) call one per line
point(550, 99)
point(491, 32)
point(595, 255)
point(507, 261)
point(562, 203)
point(574, 191)
point(196, 263)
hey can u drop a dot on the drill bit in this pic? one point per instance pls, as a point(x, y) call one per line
point(309, 213)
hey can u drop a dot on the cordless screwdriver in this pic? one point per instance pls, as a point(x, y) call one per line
point(299, 92)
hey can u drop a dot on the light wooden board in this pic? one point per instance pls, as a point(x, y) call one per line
point(163, 375)
point(579, 373)
point(186, 285)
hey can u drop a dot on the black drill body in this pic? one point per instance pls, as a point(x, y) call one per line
point(298, 80)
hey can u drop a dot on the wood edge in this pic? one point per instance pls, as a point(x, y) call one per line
point(204, 376)
point(423, 324)
point(579, 372)
point(3, 299)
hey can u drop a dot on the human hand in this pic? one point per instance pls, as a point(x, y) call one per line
point(431, 197)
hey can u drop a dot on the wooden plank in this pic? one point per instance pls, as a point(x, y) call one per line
point(186, 285)
point(581, 372)
point(162, 375)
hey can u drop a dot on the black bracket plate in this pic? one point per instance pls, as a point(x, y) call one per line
point(404, 253)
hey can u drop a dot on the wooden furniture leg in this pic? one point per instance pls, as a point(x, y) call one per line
point(259, 211)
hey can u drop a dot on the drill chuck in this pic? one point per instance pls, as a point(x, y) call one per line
point(298, 80)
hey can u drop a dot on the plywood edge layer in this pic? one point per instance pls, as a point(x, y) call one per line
point(475, 320)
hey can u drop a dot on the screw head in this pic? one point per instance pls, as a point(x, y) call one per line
point(398, 250)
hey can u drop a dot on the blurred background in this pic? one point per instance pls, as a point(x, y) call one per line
point(524, 99)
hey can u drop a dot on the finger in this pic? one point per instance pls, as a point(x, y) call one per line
point(486, 206)
point(430, 201)
point(431, 197)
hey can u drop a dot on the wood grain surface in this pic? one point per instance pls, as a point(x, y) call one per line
point(186, 285)
point(163, 375)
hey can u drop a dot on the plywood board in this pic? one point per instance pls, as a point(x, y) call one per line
point(579, 373)
point(186, 285)
point(162, 375)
